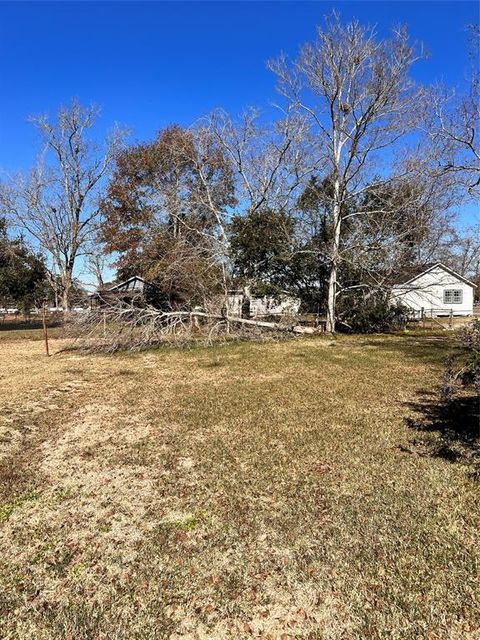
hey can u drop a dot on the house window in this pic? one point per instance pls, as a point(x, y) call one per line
point(452, 296)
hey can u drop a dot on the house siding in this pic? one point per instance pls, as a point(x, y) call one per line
point(262, 306)
point(427, 292)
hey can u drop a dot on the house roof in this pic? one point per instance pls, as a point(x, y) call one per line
point(121, 284)
point(415, 273)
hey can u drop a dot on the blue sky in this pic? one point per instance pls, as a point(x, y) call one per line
point(150, 64)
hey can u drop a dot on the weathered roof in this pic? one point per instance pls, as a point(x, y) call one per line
point(416, 272)
point(121, 284)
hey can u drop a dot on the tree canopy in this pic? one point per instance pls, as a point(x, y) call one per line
point(23, 277)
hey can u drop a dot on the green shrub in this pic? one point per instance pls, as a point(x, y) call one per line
point(370, 314)
point(464, 370)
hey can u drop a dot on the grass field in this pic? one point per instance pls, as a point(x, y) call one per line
point(304, 489)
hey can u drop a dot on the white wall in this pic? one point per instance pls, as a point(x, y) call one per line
point(267, 305)
point(426, 292)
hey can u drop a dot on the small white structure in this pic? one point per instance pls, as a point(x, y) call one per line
point(260, 306)
point(436, 291)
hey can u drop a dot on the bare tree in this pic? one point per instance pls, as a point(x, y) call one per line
point(56, 204)
point(466, 251)
point(356, 92)
point(169, 204)
point(271, 163)
point(452, 125)
point(453, 132)
point(95, 261)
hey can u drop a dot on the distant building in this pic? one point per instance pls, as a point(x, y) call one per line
point(135, 288)
point(436, 290)
point(242, 303)
point(133, 285)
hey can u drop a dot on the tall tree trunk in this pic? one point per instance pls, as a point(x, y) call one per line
point(66, 296)
point(66, 288)
point(332, 288)
point(334, 255)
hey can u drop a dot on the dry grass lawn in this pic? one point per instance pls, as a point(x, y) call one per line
point(276, 490)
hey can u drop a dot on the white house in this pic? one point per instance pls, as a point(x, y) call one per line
point(436, 290)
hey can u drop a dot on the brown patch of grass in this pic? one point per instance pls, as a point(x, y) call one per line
point(247, 491)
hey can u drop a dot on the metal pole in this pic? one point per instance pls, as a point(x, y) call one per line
point(45, 330)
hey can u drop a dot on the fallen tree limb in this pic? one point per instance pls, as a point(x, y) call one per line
point(261, 324)
point(115, 325)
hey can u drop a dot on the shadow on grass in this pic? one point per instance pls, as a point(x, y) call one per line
point(428, 348)
point(452, 428)
point(27, 325)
